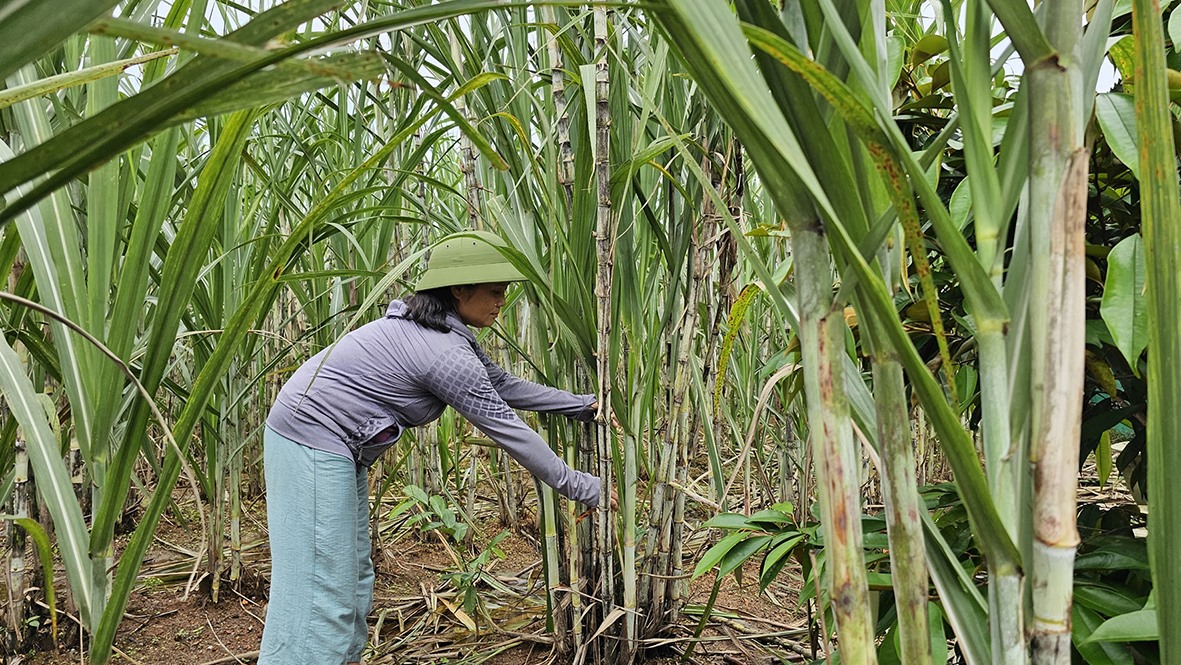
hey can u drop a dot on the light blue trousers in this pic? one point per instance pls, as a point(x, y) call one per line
point(321, 571)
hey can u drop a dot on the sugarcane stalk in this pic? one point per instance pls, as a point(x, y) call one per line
point(558, 89)
point(904, 527)
point(17, 564)
point(1057, 198)
point(822, 343)
point(467, 154)
point(1003, 459)
point(605, 257)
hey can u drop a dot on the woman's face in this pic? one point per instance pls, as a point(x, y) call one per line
point(478, 305)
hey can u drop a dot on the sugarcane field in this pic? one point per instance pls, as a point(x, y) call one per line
point(716, 332)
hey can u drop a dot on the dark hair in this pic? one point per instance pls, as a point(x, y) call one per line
point(430, 308)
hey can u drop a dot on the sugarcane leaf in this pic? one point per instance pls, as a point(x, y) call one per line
point(122, 125)
point(1139, 626)
point(963, 606)
point(268, 87)
point(53, 84)
point(1116, 113)
point(1160, 208)
point(53, 479)
point(29, 28)
point(45, 556)
point(1023, 28)
point(935, 627)
point(1124, 305)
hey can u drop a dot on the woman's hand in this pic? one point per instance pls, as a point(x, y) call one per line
point(599, 416)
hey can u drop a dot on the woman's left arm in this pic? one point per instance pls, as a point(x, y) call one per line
point(521, 394)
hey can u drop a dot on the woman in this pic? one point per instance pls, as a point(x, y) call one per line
point(351, 402)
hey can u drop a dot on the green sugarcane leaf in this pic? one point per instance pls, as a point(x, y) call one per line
point(963, 606)
point(935, 626)
point(1084, 621)
point(53, 479)
point(1124, 305)
point(1116, 113)
point(1160, 209)
point(29, 28)
point(53, 84)
point(1023, 28)
point(122, 125)
point(254, 304)
point(1139, 626)
point(45, 556)
point(269, 87)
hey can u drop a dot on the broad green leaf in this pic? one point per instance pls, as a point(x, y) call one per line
point(1139, 626)
point(961, 203)
point(926, 48)
point(1084, 621)
point(1175, 28)
point(776, 559)
point(727, 521)
point(1123, 56)
point(895, 58)
point(1112, 560)
point(770, 517)
point(715, 554)
point(1117, 117)
point(1103, 457)
point(1104, 598)
point(1124, 305)
point(736, 556)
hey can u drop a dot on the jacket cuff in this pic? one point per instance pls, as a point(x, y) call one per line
point(587, 414)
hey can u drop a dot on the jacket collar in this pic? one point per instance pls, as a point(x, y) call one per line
point(397, 310)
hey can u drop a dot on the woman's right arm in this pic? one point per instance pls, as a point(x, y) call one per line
point(459, 378)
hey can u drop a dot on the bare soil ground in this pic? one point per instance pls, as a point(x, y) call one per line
point(418, 614)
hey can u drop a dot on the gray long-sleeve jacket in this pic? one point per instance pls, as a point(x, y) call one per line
point(356, 398)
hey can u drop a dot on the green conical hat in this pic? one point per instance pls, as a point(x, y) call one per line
point(470, 257)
